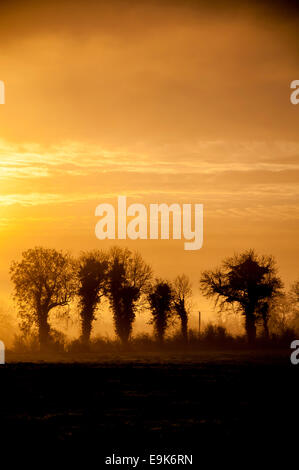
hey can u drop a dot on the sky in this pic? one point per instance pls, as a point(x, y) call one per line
point(175, 102)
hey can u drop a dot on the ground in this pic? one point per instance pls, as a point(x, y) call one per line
point(208, 404)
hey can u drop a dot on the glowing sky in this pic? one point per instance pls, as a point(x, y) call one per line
point(175, 103)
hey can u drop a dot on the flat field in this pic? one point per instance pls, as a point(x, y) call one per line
point(212, 405)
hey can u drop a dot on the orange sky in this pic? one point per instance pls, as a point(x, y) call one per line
point(177, 103)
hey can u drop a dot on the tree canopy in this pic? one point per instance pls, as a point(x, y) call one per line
point(128, 279)
point(43, 280)
point(245, 281)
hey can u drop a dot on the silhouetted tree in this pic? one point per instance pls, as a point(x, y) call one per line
point(43, 280)
point(285, 312)
point(128, 279)
point(263, 311)
point(182, 292)
point(92, 277)
point(246, 281)
point(160, 300)
point(294, 292)
point(294, 296)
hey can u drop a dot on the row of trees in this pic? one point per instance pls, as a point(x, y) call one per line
point(45, 279)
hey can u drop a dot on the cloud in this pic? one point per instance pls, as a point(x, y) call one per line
point(152, 73)
point(231, 178)
point(206, 158)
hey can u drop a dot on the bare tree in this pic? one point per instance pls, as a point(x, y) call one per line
point(182, 292)
point(128, 280)
point(285, 311)
point(294, 297)
point(281, 318)
point(43, 280)
point(294, 293)
point(247, 281)
point(92, 278)
point(160, 300)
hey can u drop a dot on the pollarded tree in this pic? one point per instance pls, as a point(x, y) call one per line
point(182, 292)
point(246, 281)
point(128, 280)
point(160, 300)
point(92, 278)
point(43, 280)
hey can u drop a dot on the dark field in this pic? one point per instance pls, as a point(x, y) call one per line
point(210, 405)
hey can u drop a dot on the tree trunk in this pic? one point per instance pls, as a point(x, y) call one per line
point(184, 328)
point(160, 327)
point(86, 326)
point(124, 333)
point(123, 327)
point(44, 332)
point(265, 316)
point(123, 316)
point(266, 328)
point(160, 337)
point(250, 327)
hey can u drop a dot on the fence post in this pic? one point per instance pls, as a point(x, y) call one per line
point(199, 321)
